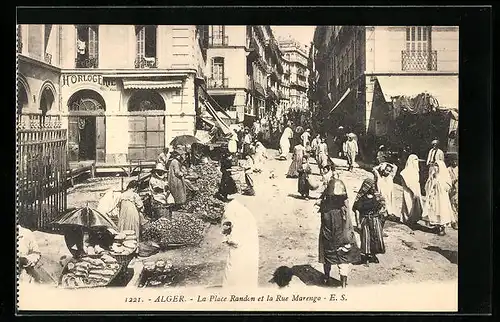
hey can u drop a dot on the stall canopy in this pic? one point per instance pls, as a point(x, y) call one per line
point(151, 84)
point(341, 99)
point(443, 88)
point(218, 120)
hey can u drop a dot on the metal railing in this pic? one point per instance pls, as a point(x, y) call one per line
point(146, 62)
point(414, 60)
point(86, 62)
point(218, 40)
point(218, 83)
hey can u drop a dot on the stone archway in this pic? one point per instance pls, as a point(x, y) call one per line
point(47, 97)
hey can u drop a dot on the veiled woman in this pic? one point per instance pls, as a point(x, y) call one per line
point(298, 154)
point(453, 169)
point(437, 209)
point(241, 236)
point(337, 243)
point(411, 212)
point(370, 206)
point(384, 180)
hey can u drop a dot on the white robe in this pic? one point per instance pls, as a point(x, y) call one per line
point(437, 207)
point(411, 189)
point(242, 266)
point(385, 186)
point(285, 141)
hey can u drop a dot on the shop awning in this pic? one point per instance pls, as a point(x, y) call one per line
point(341, 99)
point(151, 84)
point(259, 89)
point(443, 88)
point(218, 120)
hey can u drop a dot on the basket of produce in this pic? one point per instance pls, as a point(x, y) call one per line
point(90, 272)
point(159, 273)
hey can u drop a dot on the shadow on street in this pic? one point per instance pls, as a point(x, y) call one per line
point(311, 276)
point(450, 255)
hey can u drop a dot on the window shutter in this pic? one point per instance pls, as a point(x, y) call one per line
point(140, 42)
point(93, 53)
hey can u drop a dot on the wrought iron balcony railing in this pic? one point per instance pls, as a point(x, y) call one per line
point(218, 41)
point(413, 60)
point(48, 58)
point(146, 62)
point(86, 62)
point(218, 83)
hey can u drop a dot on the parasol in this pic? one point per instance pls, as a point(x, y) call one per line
point(184, 140)
point(85, 217)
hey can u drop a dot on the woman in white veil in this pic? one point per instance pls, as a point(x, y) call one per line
point(437, 208)
point(411, 211)
point(241, 236)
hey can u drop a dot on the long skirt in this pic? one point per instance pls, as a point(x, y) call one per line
point(411, 211)
point(303, 184)
point(372, 241)
point(293, 170)
point(227, 185)
point(284, 147)
point(129, 217)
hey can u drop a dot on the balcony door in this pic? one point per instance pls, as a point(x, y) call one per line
point(217, 80)
point(87, 44)
point(418, 55)
point(217, 35)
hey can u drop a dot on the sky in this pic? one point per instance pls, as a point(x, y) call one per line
point(303, 34)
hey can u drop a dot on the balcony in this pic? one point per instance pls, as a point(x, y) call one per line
point(146, 62)
point(298, 83)
point(218, 41)
point(217, 83)
point(412, 60)
point(86, 62)
point(48, 58)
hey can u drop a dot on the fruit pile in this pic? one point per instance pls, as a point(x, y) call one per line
point(90, 272)
point(157, 273)
point(182, 229)
point(203, 204)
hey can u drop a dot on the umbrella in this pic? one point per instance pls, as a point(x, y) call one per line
point(85, 217)
point(184, 140)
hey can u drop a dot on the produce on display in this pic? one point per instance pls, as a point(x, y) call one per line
point(90, 272)
point(157, 273)
point(125, 243)
point(182, 229)
point(203, 204)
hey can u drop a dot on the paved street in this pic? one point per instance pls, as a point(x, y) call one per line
point(288, 231)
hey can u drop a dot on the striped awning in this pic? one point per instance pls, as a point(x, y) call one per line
point(151, 84)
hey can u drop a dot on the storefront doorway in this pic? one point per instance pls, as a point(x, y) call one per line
point(86, 127)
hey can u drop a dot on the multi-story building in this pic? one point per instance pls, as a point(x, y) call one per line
point(122, 91)
point(363, 70)
point(296, 56)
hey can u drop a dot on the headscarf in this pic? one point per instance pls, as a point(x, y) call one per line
point(367, 186)
point(442, 176)
point(411, 174)
point(335, 187)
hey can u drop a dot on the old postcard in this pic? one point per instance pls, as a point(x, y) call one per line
point(237, 167)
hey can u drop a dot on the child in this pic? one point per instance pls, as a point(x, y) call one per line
point(304, 172)
point(248, 179)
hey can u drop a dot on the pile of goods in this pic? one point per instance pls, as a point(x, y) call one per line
point(157, 274)
point(182, 229)
point(204, 204)
point(90, 272)
point(125, 243)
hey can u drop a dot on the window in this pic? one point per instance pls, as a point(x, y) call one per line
point(218, 79)
point(417, 38)
point(145, 47)
point(217, 36)
point(87, 45)
point(418, 55)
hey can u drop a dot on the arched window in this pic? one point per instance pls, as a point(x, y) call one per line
point(145, 101)
point(46, 100)
point(86, 100)
point(22, 97)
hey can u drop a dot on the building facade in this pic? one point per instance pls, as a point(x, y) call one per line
point(363, 70)
point(122, 91)
point(296, 57)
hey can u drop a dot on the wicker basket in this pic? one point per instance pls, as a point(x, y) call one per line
point(65, 271)
point(124, 260)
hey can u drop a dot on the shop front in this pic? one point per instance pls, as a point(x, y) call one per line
point(116, 120)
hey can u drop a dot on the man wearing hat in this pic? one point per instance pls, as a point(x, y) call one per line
point(158, 184)
point(351, 150)
point(435, 153)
